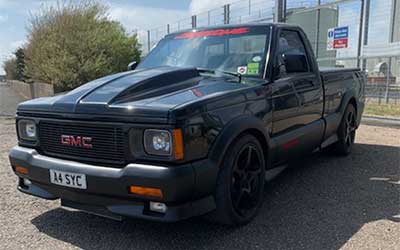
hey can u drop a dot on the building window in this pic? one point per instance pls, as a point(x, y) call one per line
point(379, 22)
point(396, 29)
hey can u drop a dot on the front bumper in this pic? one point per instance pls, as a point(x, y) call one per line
point(107, 188)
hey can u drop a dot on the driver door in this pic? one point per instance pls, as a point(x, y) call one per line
point(296, 98)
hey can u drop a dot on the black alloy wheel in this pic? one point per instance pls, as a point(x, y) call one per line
point(246, 178)
point(240, 182)
point(346, 132)
point(350, 128)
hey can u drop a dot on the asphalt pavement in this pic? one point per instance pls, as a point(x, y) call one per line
point(323, 202)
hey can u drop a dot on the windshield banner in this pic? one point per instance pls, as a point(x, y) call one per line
point(218, 32)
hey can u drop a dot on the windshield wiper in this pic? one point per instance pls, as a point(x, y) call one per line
point(213, 71)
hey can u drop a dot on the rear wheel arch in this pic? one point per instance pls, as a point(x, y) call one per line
point(354, 103)
point(349, 97)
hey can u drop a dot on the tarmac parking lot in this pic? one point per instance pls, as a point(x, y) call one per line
point(324, 202)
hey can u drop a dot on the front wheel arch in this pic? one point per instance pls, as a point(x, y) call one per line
point(233, 130)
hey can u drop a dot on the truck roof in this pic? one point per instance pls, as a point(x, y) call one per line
point(235, 26)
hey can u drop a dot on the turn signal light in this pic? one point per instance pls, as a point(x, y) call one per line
point(178, 144)
point(146, 191)
point(21, 170)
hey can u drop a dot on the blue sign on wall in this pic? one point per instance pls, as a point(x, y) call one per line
point(341, 32)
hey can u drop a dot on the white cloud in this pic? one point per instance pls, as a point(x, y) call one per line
point(200, 6)
point(6, 51)
point(16, 44)
point(144, 17)
point(140, 19)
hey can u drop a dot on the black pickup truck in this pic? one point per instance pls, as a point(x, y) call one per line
point(194, 129)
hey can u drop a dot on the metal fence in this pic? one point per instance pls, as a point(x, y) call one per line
point(243, 11)
point(373, 42)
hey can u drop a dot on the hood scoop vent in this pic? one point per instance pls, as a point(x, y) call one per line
point(159, 85)
point(143, 84)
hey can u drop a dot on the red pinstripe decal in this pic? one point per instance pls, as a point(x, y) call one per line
point(291, 144)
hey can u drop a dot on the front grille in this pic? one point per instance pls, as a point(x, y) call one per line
point(107, 142)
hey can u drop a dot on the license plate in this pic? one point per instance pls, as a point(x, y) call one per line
point(67, 179)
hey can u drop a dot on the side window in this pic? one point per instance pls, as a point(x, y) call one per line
point(292, 55)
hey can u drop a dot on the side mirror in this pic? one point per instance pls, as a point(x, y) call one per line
point(132, 65)
point(296, 63)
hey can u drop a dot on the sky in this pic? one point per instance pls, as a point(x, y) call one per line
point(135, 15)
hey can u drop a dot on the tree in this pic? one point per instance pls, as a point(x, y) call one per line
point(10, 67)
point(73, 43)
point(20, 64)
point(15, 66)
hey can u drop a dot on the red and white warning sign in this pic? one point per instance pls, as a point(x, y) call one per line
point(338, 38)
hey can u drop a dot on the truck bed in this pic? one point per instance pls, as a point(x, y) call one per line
point(336, 69)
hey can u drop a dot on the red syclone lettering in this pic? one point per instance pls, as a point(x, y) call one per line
point(218, 32)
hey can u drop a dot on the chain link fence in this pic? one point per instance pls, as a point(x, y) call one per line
point(373, 28)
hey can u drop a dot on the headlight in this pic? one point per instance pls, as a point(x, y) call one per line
point(27, 130)
point(158, 142)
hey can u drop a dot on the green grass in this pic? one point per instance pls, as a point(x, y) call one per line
point(382, 110)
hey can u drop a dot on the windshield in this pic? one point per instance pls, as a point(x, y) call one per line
point(238, 50)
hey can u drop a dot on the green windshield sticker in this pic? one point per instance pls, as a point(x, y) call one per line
point(252, 68)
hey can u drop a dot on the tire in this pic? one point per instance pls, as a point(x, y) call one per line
point(346, 132)
point(240, 183)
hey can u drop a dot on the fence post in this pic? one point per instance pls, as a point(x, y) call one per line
point(366, 24)
point(226, 14)
point(249, 7)
point(279, 9)
point(360, 31)
point(318, 27)
point(391, 39)
point(168, 28)
point(194, 21)
point(148, 41)
point(388, 78)
point(393, 20)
